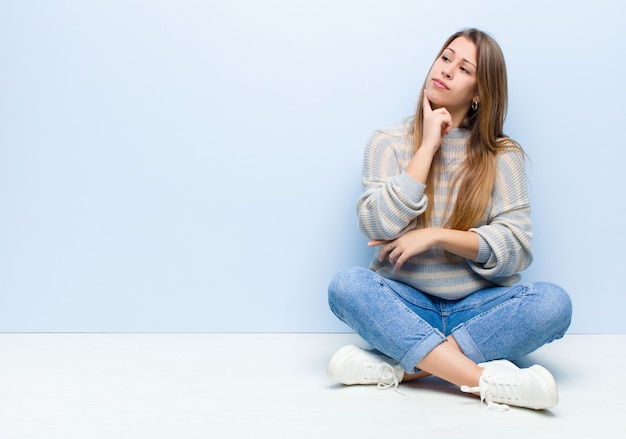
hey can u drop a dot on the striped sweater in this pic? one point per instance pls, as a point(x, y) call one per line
point(392, 201)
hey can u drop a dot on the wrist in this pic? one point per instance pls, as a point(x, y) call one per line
point(458, 242)
point(438, 236)
point(428, 148)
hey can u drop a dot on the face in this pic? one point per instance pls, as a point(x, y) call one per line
point(452, 81)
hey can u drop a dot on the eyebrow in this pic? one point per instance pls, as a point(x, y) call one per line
point(464, 59)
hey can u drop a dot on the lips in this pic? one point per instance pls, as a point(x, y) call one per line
point(440, 84)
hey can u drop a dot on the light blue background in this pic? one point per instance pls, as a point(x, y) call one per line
point(194, 165)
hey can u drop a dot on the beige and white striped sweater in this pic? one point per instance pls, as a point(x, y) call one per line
point(392, 200)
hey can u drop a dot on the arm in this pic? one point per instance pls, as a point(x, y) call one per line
point(458, 242)
point(437, 123)
point(505, 241)
point(393, 197)
point(414, 242)
point(497, 250)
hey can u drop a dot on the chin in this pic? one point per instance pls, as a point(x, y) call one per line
point(435, 97)
point(436, 103)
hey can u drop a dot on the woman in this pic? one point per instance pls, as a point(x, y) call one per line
point(445, 205)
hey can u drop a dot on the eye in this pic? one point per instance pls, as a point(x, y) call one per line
point(445, 58)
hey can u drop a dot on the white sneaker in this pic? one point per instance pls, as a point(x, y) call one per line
point(353, 365)
point(505, 383)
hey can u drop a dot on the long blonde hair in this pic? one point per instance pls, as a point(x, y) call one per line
point(486, 140)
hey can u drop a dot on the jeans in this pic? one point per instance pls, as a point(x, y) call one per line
point(406, 324)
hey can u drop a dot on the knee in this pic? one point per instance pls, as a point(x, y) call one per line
point(344, 287)
point(556, 305)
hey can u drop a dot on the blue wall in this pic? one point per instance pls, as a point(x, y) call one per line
point(194, 165)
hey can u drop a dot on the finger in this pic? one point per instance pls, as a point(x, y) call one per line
point(398, 263)
point(427, 107)
point(376, 242)
point(387, 250)
point(382, 254)
point(396, 259)
point(395, 255)
point(446, 124)
point(399, 258)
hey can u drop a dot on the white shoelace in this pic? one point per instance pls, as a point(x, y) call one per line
point(485, 395)
point(386, 377)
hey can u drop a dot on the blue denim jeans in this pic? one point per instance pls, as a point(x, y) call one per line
point(406, 324)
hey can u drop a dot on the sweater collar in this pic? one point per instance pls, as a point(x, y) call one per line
point(457, 133)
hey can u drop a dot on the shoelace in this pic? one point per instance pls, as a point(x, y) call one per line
point(387, 377)
point(485, 395)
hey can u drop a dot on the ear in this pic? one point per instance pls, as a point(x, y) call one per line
point(476, 99)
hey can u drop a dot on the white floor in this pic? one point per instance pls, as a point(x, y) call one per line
point(274, 386)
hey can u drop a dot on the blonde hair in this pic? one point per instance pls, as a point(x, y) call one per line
point(486, 140)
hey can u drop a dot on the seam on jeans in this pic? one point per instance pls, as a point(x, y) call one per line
point(384, 281)
point(432, 331)
point(523, 293)
point(398, 298)
point(490, 310)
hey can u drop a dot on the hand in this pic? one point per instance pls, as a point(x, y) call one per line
point(406, 246)
point(437, 123)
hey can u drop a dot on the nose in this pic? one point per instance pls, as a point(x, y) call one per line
point(446, 73)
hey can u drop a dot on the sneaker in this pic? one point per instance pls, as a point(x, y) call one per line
point(503, 382)
point(353, 365)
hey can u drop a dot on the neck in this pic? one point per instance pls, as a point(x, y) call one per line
point(458, 118)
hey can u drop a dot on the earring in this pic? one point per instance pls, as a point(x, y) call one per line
point(474, 105)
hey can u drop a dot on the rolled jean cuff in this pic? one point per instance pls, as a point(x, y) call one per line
point(417, 353)
point(467, 345)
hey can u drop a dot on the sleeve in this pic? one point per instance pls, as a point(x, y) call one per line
point(391, 198)
point(505, 241)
